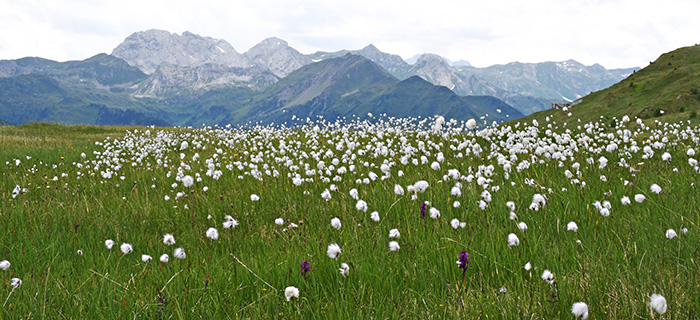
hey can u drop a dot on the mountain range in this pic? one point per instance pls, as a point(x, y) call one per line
point(157, 77)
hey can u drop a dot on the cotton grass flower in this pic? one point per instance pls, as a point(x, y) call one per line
point(254, 197)
point(4, 264)
point(398, 190)
point(527, 266)
point(522, 226)
point(454, 223)
point(291, 292)
point(229, 222)
point(513, 240)
point(374, 216)
point(344, 269)
point(164, 258)
point(625, 200)
point(361, 205)
point(548, 276)
point(179, 253)
point(126, 248)
point(639, 198)
point(658, 303)
point(655, 188)
point(16, 282)
point(109, 243)
point(394, 233)
point(670, 234)
point(146, 258)
point(580, 310)
point(333, 250)
point(212, 233)
point(335, 223)
point(187, 181)
point(434, 213)
point(279, 221)
point(572, 226)
point(394, 246)
point(168, 239)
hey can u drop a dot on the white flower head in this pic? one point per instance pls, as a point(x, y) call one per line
point(109, 243)
point(513, 240)
point(344, 269)
point(374, 216)
point(572, 226)
point(16, 282)
point(625, 200)
point(658, 303)
point(670, 234)
point(434, 213)
point(146, 258)
point(335, 223)
point(279, 221)
point(361, 205)
point(187, 181)
point(548, 276)
point(528, 266)
point(394, 246)
point(254, 197)
point(333, 250)
point(212, 233)
point(454, 223)
point(4, 264)
point(580, 310)
point(655, 188)
point(126, 248)
point(398, 190)
point(394, 233)
point(164, 258)
point(230, 222)
point(291, 292)
point(180, 253)
point(639, 198)
point(168, 239)
point(522, 226)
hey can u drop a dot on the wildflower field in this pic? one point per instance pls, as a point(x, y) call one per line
point(378, 218)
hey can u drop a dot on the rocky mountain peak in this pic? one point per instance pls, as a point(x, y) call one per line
point(277, 56)
point(148, 49)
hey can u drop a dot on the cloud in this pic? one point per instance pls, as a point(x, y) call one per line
point(617, 33)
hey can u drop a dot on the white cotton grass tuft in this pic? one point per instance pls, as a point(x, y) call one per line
point(146, 258)
point(79, 252)
point(291, 292)
point(471, 124)
point(279, 221)
point(434, 213)
point(126, 248)
point(168, 239)
point(344, 269)
point(625, 200)
point(639, 198)
point(454, 223)
point(179, 253)
point(394, 246)
point(658, 303)
point(528, 266)
point(522, 226)
point(572, 226)
point(254, 197)
point(229, 222)
point(109, 243)
point(16, 282)
point(333, 250)
point(394, 233)
point(548, 276)
point(374, 216)
point(670, 234)
point(4, 264)
point(580, 310)
point(361, 205)
point(398, 190)
point(164, 258)
point(335, 223)
point(212, 233)
point(513, 240)
point(655, 188)
point(187, 181)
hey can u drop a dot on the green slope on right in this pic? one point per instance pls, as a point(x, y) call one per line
point(667, 90)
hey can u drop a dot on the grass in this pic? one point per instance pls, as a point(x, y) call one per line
point(621, 260)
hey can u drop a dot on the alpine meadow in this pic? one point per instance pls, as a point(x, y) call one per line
point(361, 218)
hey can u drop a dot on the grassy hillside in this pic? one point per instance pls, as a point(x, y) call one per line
point(667, 90)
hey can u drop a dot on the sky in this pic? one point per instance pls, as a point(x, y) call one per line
point(615, 33)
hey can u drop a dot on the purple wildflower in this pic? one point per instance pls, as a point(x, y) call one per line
point(463, 260)
point(423, 210)
point(305, 268)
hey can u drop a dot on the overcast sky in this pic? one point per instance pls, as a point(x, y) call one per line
point(616, 33)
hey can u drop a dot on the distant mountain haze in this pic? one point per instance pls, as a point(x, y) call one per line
point(158, 77)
